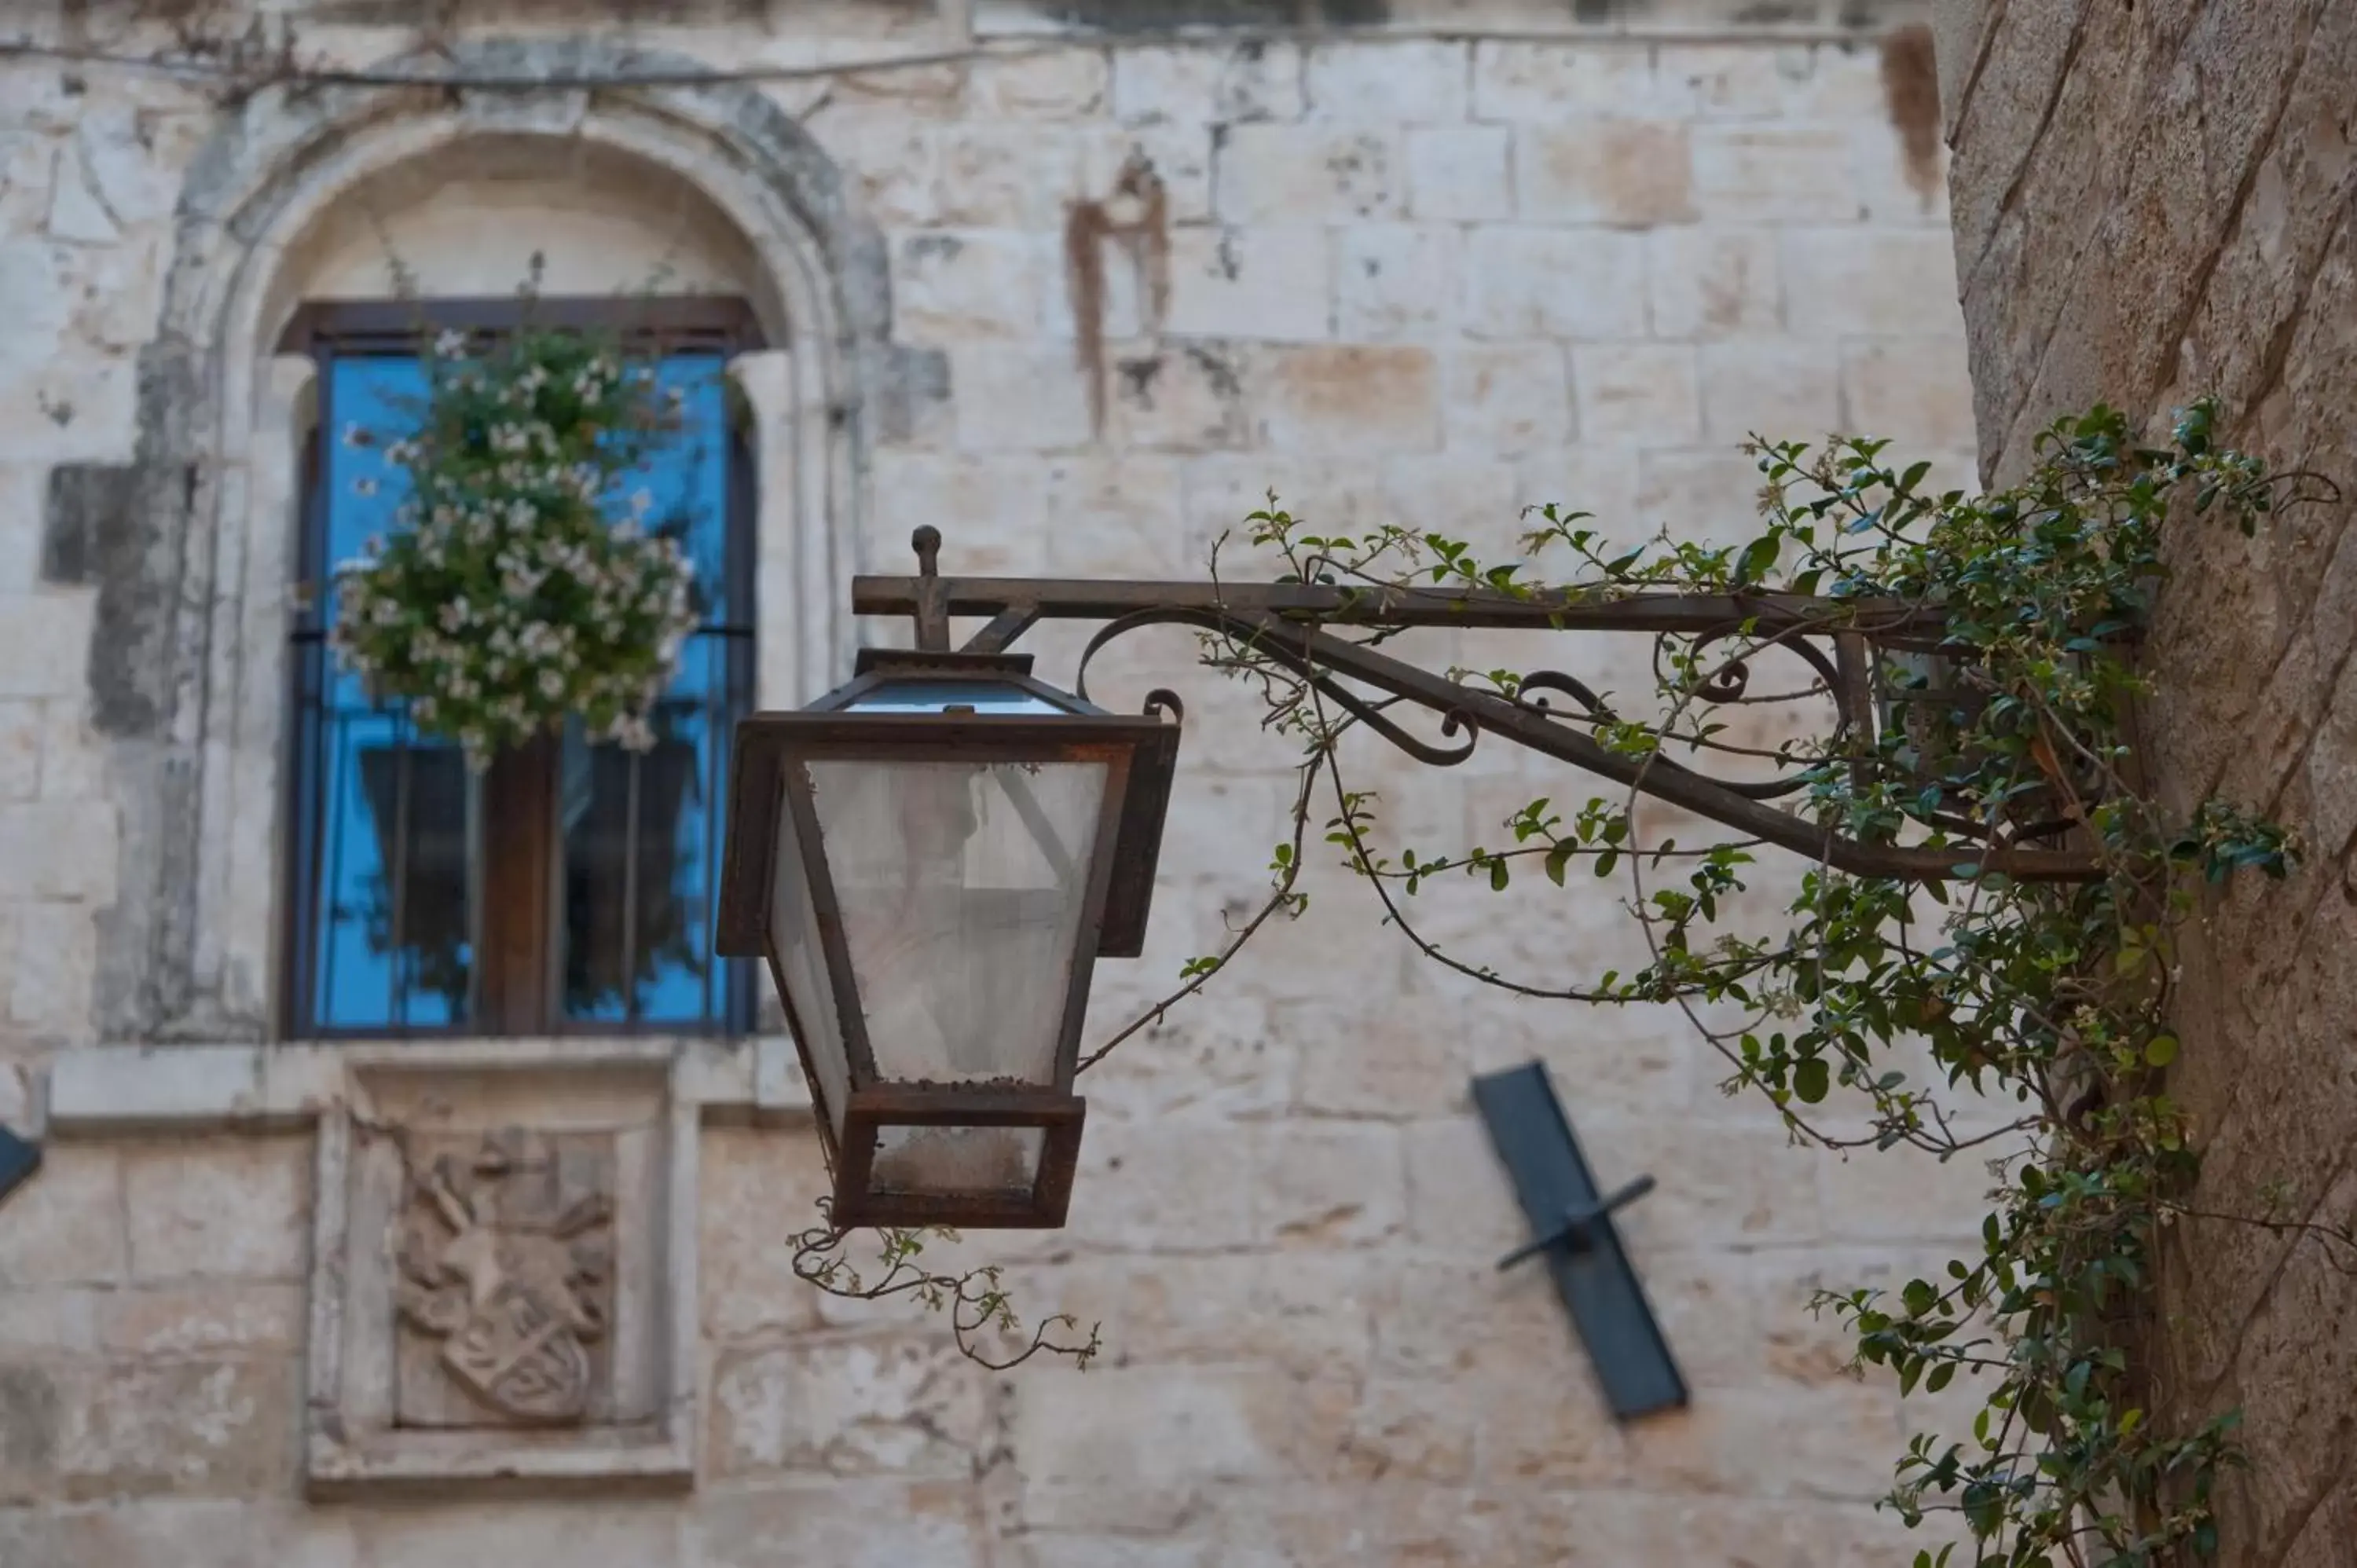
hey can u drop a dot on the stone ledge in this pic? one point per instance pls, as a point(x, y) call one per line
point(112, 1090)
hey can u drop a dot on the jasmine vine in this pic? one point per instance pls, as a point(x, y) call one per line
point(2049, 1000)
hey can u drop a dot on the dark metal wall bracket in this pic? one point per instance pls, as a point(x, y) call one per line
point(19, 1158)
point(1573, 1230)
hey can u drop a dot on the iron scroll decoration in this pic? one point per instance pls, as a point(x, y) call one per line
point(1850, 646)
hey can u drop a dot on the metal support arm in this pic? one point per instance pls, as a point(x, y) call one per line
point(1286, 623)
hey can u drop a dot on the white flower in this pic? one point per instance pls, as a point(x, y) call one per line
point(450, 346)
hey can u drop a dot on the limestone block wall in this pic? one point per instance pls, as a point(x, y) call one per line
point(2153, 204)
point(1429, 274)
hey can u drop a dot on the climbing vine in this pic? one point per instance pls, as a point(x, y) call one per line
point(1871, 1004)
point(2051, 999)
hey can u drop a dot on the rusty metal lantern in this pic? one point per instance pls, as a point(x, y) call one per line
point(931, 858)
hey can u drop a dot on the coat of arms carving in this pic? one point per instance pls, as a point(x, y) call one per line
point(507, 1265)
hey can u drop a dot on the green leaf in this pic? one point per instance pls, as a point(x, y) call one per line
point(2160, 1051)
point(1811, 1079)
point(1557, 858)
point(1498, 875)
point(1759, 558)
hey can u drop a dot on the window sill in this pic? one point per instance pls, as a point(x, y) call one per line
point(111, 1091)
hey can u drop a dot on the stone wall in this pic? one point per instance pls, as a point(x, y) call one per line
point(1479, 261)
point(2153, 203)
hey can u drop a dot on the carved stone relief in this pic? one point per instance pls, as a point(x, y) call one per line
point(503, 1276)
point(505, 1281)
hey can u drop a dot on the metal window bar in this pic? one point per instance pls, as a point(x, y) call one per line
point(320, 733)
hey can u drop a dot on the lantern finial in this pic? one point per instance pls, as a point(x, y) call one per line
point(932, 601)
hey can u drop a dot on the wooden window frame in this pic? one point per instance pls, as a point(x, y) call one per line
point(518, 896)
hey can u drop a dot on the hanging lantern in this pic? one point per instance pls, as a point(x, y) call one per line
point(930, 859)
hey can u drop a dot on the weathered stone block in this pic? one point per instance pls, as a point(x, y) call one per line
point(231, 1433)
point(1401, 1433)
point(1180, 156)
point(1461, 1200)
point(888, 162)
point(1740, 81)
point(1468, 496)
point(1519, 82)
point(1223, 83)
point(1713, 282)
point(1307, 173)
point(1019, 397)
point(1710, 497)
point(1175, 1187)
point(1630, 174)
point(1550, 282)
point(65, 1226)
point(1781, 390)
point(44, 644)
point(1053, 1549)
point(229, 1318)
point(1015, 176)
point(55, 963)
point(576, 1531)
point(1167, 1434)
point(1183, 397)
point(1600, 480)
point(1641, 394)
point(856, 1524)
point(73, 759)
point(1831, 1441)
point(1324, 1185)
point(1267, 283)
point(954, 287)
point(868, 1406)
point(1065, 85)
point(1352, 399)
point(1845, 282)
point(1410, 82)
point(1396, 281)
point(1773, 175)
point(61, 849)
point(233, 1208)
point(1912, 389)
point(172, 1532)
point(1901, 1195)
point(1459, 174)
point(762, 1186)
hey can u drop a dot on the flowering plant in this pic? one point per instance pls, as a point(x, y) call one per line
point(521, 588)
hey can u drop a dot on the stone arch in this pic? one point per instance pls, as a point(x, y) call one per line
point(187, 663)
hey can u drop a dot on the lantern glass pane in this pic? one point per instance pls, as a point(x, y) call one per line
point(961, 887)
point(922, 696)
point(933, 1160)
point(794, 940)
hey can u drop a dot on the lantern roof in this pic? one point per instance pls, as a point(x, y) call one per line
point(964, 704)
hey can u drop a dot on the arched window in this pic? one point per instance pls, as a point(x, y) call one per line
point(568, 888)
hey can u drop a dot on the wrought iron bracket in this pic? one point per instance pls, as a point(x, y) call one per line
point(1299, 627)
point(1578, 1238)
